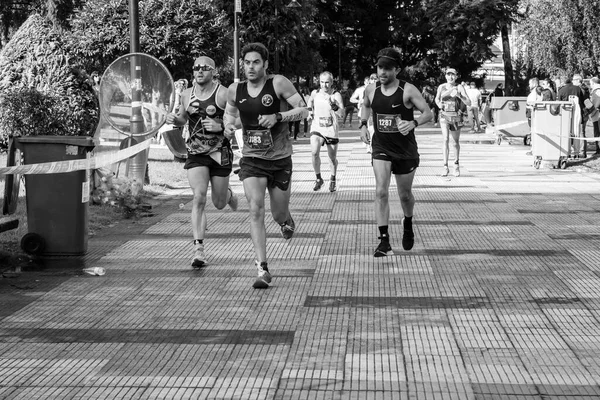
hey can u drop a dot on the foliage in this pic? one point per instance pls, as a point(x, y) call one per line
point(463, 32)
point(297, 45)
point(174, 31)
point(121, 192)
point(43, 89)
point(14, 12)
point(563, 37)
point(431, 34)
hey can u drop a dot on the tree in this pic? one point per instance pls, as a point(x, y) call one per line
point(174, 31)
point(43, 89)
point(296, 46)
point(562, 37)
point(14, 12)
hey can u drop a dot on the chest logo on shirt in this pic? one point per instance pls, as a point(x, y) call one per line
point(267, 100)
point(211, 110)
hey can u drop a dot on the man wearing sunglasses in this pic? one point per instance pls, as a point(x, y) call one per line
point(261, 107)
point(209, 157)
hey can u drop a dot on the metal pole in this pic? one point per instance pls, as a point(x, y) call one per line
point(340, 60)
point(236, 41)
point(276, 37)
point(137, 164)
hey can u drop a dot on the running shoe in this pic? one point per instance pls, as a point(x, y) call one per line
point(233, 201)
point(445, 171)
point(264, 277)
point(408, 238)
point(318, 184)
point(288, 228)
point(332, 187)
point(384, 249)
point(456, 170)
point(199, 259)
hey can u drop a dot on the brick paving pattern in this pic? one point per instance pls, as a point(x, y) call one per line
point(499, 298)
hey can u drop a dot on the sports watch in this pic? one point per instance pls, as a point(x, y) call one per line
point(278, 117)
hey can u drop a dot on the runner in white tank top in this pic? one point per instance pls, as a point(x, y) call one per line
point(326, 105)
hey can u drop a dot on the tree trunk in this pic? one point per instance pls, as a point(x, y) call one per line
point(508, 69)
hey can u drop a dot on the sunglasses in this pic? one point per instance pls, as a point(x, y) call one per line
point(202, 68)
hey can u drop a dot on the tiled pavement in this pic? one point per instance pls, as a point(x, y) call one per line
point(499, 299)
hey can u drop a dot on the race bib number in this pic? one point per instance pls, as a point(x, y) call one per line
point(449, 106)
point(259, 139)
point(387, 123)
point(325, 122)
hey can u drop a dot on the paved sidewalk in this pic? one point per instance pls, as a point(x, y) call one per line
point(499, 299)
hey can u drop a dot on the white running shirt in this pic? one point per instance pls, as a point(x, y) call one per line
point(325, 120)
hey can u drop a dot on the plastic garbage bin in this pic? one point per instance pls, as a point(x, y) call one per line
point(551, 124)
point(509, 118)
point(57, 204)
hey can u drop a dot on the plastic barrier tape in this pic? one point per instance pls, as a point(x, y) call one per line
point(587, 139)
point(59, 167)
point(509, 125)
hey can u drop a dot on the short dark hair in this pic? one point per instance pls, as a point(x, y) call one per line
point(256, 47)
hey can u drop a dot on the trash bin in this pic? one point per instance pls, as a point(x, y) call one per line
point(509, 118)
point(57, 204)
point(551, 124)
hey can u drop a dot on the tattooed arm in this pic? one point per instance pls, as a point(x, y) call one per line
point(286, 92)
point(231, 118)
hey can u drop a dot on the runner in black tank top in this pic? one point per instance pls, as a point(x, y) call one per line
point(260, 104)
point(394, 143)
point(387, 139)
point(259, 142)
point(209, 157)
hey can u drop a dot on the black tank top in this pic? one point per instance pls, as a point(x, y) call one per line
point(201, 141)
point(387, 139)
point(269, 144)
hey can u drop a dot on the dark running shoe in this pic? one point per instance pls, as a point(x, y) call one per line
point(384, 249)
point(332, 187)
point(408, 239)
point(288, 228)
point(199, 259)
point(318, 184)
point(264, 277)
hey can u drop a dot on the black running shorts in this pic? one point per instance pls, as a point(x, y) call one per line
point(326, 140)
point(400, 166)
point(204, 160)
point(277, 172)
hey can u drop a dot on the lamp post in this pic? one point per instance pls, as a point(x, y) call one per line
point(236, 41)
point(136, 165)
point(340, 60)
point(276, 37)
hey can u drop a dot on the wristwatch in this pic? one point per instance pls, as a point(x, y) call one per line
point(416, 123)
point(363, 122)
point(278, 117)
